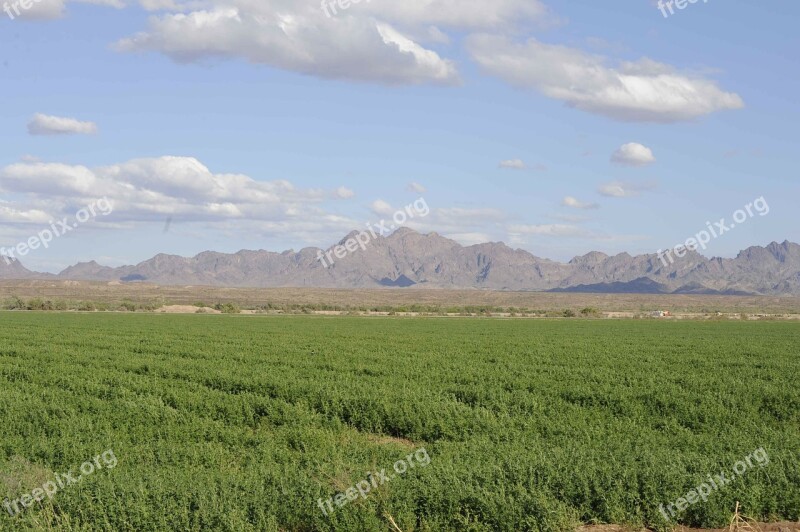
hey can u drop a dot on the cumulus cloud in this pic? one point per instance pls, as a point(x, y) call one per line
point(643, 90)
point(464, 14)
point(382, 42)
point(416, 188)
point(148, 189)
point(574, 203)
point(382, 208)
point(297, 36)
point(622, 189)
point(42, 124)
point(403, 43)
point(513, 164)
point(633, 154)
point(10, 214)
point(343, 193)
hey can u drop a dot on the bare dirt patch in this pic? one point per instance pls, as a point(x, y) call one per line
point(186, 309)
point(19, 475)
point(390, 440)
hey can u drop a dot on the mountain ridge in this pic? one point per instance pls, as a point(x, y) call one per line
point(407, 258)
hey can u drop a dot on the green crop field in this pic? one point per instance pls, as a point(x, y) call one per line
point(246, 423)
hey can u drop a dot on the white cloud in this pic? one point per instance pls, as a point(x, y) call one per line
point(569, 218)
point(633, 154)
point(460, 215)
point(147, 189)
point(54, 9)
point(513, 164)
point(454, 222)
point(555, 230)
point(393, 43)
point(574, 203)
point(171, 5)
point(344, 193)
point(464, 14)
point(644, 90)
point(42, 10)
point(116, 4)
point(469, 239)
point(10, 214)
point(622, 189)
point(417, 188)
point(297, 36)
point(42, 124)
point(434, 34)
point(382, 208)
point(461, 14)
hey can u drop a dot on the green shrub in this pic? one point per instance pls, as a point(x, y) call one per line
point(227, 308)
point(15, 303)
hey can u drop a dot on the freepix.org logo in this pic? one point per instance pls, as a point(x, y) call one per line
point(329, 6)
point(703, 238)
point(18, 7)
point(106, 460)
point(667, 5)
point(57, 229)
point(361, 240)
point(374, 481)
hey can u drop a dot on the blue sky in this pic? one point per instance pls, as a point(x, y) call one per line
point(268, 125)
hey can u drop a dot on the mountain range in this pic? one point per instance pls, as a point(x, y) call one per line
point(410, 259)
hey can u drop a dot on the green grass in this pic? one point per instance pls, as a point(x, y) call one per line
point(242, 423)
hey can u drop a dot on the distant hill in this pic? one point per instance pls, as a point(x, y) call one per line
point(410, 259)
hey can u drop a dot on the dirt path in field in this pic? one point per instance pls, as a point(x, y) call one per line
point(765, 527)
point(186, 309)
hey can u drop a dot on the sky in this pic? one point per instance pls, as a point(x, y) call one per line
point(556, 127)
